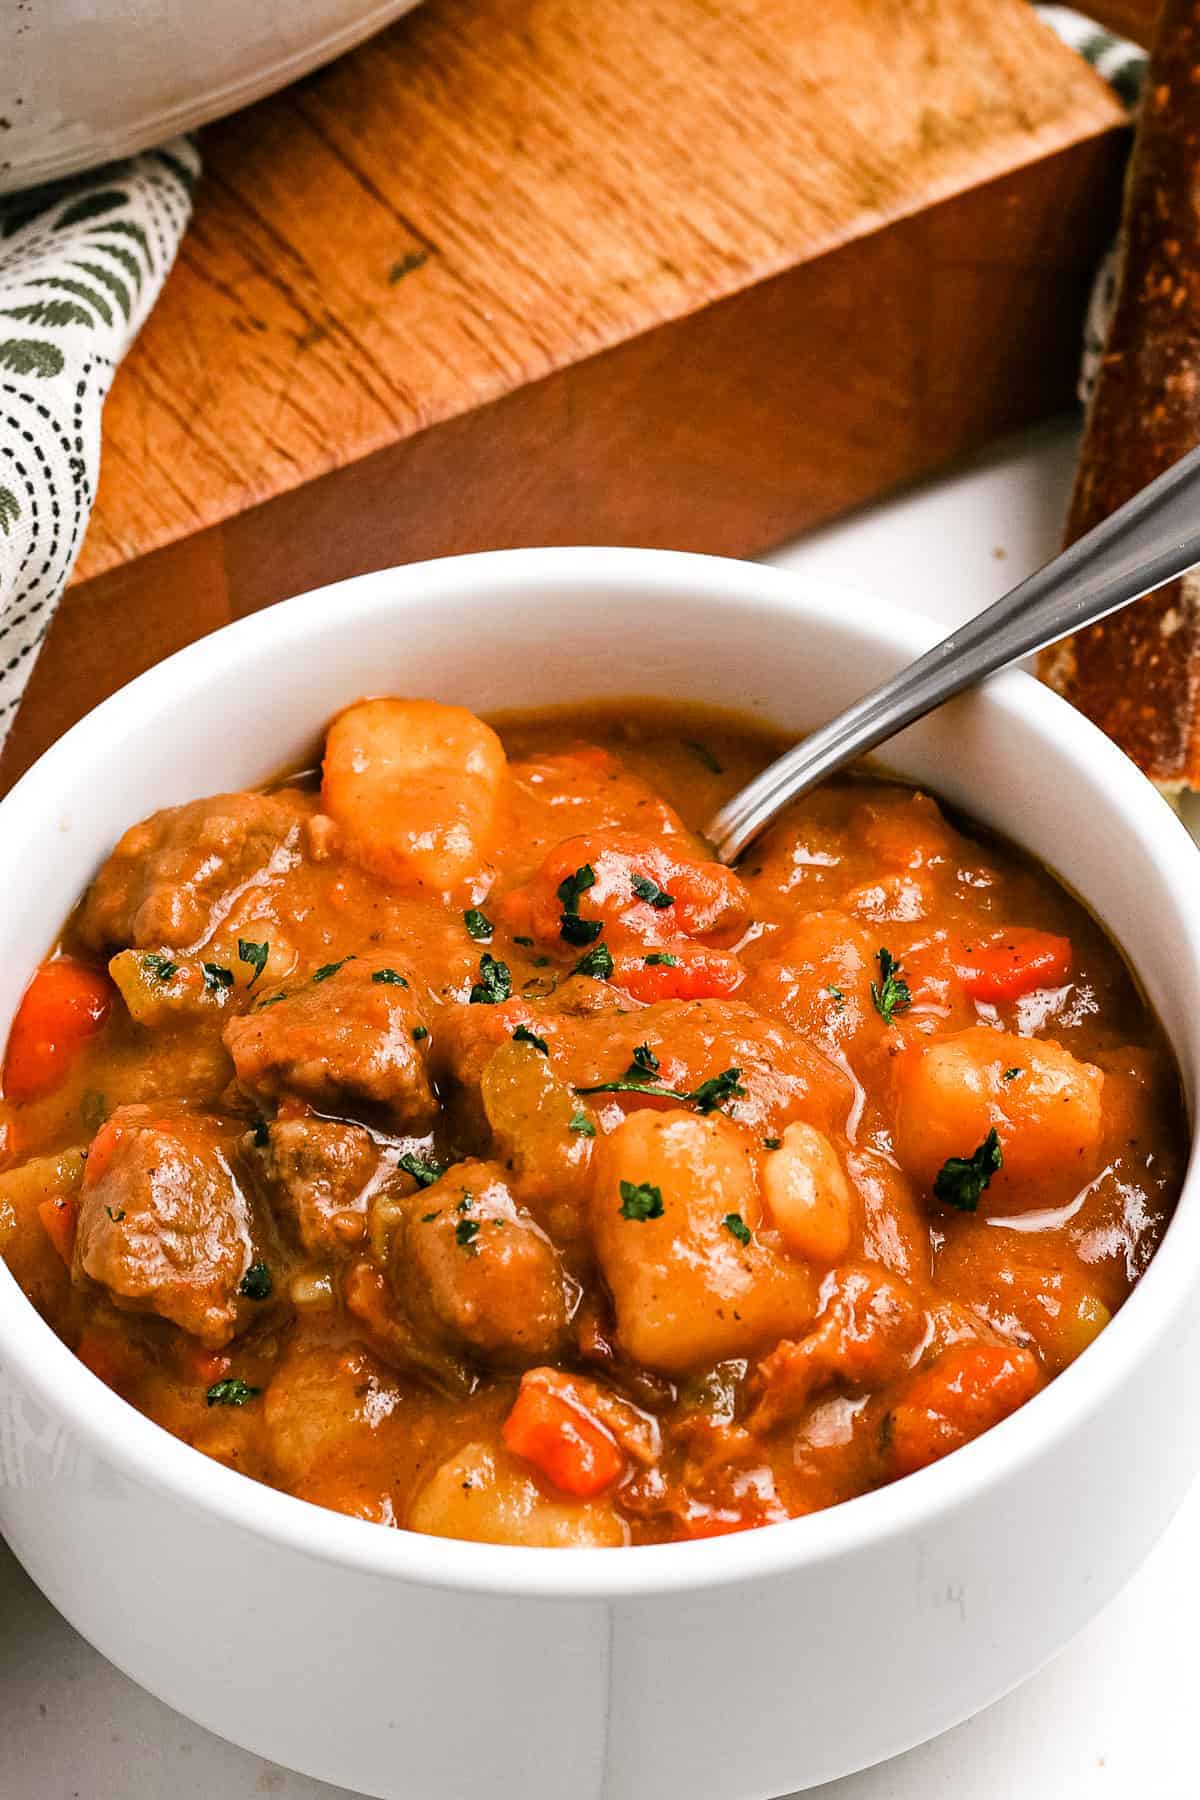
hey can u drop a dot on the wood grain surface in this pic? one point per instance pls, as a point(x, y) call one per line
point(695, 272)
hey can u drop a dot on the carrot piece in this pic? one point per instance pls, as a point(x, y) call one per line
point(679, 971)
point(968, 1389)
point(1011, 963)
point(59, 1220)
point(563, 1441)
point(101, 1151)
point(63, 1006)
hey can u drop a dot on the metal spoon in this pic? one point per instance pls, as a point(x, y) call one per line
point(1151, 539)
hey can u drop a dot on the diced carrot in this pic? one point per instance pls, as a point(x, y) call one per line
point(680, 971)
point(59, 1220)
point(569, 1447)
point(101, 1151)
point(63, 1006)
point(1004, 965)
point(968, 1389)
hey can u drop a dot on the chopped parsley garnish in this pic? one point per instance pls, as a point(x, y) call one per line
point(254, 956)
point(256, 1283)
point(710, 1095)
point(961, 1179)
point(428, 1218)
point(271, 1000)
point(216, 978)
point(574, 930)
point(649, 890)
point(597, 962)
point(640, 1201)
point(771, 1143)
point(388, 977)
point(117, 1215)
point(838, 996)
point(890, 993)
point(465, 1233)
point(571, 927)
point(737, 1227)
point(423, 1169)
point(523, 1035)
point(477, 923)
point(1011, 1074)
point(161, 967)
point(661, 959)
point(573, 887)
point(231, 1392)
point(580, 1122)
point(419, 1032)
point(494, 984)
point(703, 754)
point(262, 1135)
point(526, 943)
point(93, 1109)
point(328, 969)
point(714, 1092)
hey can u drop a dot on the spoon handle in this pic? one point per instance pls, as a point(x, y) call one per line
point(1148, 541)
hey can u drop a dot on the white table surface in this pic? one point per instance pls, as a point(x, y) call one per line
point(1112, 1718)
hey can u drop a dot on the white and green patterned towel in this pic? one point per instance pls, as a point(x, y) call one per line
point(81, 264)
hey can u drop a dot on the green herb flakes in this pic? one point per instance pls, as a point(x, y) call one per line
point(598, 962)
point(961, 1179)
point(254, 956)
point(423, 1169)
point(465, 1233)
point(494, 984)
point(328, 969)
point(256, 1283)
point(388, 978)
point(737, 1227)
point(580, 1122)
point(478, 924)
point(231, 1392)
point(661, 959)
point(718, 1090)
point(523, 1035)
point(890, 993)
point(647, 889)
point(640, 1201)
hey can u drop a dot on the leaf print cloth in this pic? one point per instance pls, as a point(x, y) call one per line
point(81, 264)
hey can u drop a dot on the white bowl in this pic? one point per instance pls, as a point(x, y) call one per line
point(731, 1669)
point(81, 84)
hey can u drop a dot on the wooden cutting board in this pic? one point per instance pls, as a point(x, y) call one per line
point(685, 272)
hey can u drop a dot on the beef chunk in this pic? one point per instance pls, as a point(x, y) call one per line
point(338, 1036)
point(473, 1270)
point(172, 879)
point(318, 1173)
point(164, 1224)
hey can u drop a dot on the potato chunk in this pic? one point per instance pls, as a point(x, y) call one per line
point(675, 1209)
point(414, 786)
point(488, 1496)
point(1044, 1104)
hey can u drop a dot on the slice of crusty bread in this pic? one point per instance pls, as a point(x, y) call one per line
point(1138, 674)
